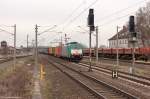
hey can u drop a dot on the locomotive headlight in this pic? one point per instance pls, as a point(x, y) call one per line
point(76, 51)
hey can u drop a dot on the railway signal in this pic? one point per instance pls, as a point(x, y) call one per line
point(91, 28)
point(133, 34)
point(91, 19)
point(132, 40)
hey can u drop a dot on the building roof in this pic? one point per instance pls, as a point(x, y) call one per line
point(122, 34)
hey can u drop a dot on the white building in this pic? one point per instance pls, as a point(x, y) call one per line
point(123, 40)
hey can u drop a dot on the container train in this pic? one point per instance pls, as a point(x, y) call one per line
point(124, 53)
point(71, 51)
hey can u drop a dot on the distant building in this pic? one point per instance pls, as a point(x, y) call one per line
point(102, 46)
point(123, 40)
point(3, 44)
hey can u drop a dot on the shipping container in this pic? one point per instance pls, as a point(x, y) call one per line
point(58, 51)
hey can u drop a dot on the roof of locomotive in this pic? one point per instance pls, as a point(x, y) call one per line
point(72, 43)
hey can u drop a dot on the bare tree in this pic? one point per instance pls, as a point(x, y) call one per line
point(143, 24)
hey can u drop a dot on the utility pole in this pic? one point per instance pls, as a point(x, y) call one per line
point(27, 41)
point(115, 69)
point(133, 58)
point(61, 41)
point(66, 39)
point(117, 47)
point(14, 46)
point(96, 43)
point(36, 46)
point(90, 68)
point(33, 48)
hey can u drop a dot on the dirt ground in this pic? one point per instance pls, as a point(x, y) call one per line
point(18, 82)
point(57, 85)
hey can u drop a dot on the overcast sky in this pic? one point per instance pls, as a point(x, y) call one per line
point(67, 15)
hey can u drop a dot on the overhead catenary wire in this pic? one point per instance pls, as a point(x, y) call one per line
point(120, 11)
point(3, 25)
point(6, 31)
point(47, 30)
point(71, 14)
point(75, 18)
point(105, 17)
point(115, 19)
point(118, 18)
point(53, 36)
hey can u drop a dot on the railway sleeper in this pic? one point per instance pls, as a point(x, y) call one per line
point(106, 85)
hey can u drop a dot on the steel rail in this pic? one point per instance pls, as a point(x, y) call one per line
point(11, 58)
point(117, 90)
point(121, 60)
point(132, 77)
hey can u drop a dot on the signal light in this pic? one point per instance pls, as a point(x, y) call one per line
point(133, 34)
point(91, 17)
point(92, 28)
point(131, 24)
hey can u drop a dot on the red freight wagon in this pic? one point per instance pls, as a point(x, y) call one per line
point(100, 50)
point(58, 51)
point(93, 51)
point(137, 51)
point(86, 51)
point(145, 51)
point(120, 51)
point(148, 51)
point(50, 50)
point(128, 50)
point(107, 51)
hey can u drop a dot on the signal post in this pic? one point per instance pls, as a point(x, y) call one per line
point(91, 29)
point(133, 41)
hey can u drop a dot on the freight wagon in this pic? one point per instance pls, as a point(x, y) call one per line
point(124, 53)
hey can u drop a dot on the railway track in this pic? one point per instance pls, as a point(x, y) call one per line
point(11, 58)
point(98, 88)
point(135, 78)
point(121, 60)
